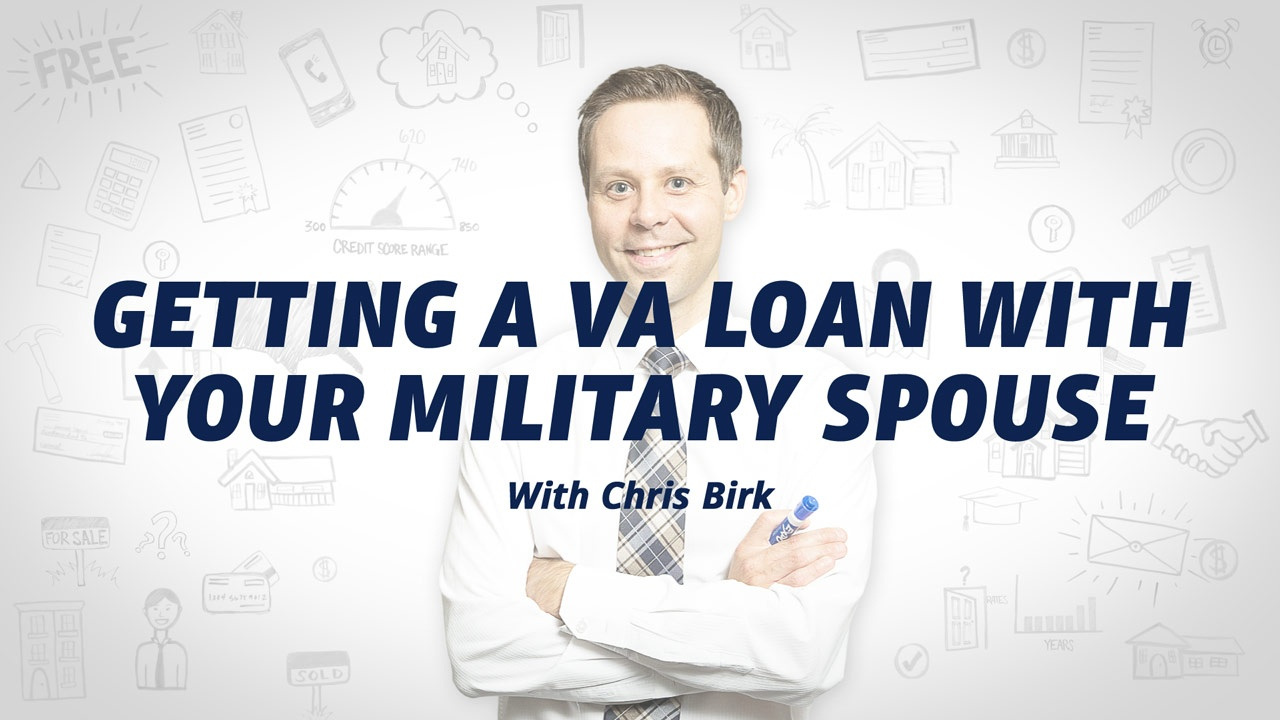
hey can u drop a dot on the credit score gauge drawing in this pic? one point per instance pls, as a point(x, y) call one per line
point(390, 195)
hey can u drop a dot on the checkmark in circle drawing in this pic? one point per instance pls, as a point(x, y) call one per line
point(912, 661)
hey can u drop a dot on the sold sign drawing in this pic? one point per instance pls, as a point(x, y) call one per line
point(317, 669)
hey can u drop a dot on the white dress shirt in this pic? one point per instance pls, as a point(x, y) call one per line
point(729, 650)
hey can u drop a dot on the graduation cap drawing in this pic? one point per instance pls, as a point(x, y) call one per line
point(994, 506)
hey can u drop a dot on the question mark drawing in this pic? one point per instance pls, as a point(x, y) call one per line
point(180, 539)
point(964, 575)
point(164, 534)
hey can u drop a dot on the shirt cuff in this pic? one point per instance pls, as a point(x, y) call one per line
point(643, 615)
point(1255, 425)
point(596, 604)
point(1163, 433)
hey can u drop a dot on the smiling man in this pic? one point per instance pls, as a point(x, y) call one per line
point(161, 663)
point(658, 610)
point(657, 195)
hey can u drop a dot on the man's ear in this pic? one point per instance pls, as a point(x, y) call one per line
point(736, 195)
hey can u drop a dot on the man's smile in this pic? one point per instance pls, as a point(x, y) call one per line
point(653, 256)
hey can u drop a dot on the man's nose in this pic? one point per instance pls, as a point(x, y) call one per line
point(650, 209)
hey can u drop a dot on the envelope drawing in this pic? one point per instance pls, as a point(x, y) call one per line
point(1136, 544)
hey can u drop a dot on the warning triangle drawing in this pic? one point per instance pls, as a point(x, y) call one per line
point(41, 177)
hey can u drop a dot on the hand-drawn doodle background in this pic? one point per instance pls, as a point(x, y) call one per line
point(992, 593)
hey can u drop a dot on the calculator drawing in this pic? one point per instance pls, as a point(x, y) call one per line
point(120, 186)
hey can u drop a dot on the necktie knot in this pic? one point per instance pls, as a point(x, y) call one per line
point(665, 361)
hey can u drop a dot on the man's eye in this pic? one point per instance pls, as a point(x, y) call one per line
point(678, 183)
point(619, 188)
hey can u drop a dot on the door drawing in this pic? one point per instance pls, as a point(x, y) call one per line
point(875, 189)
point(764, 56)
point(962, 625)
point(1159, 666)
point(560, 37)
point(965, 618)
point(39, 686)
point(1028, 468)
point(554, 40)
point(258, 497)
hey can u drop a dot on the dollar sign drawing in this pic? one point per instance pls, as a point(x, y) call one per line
point(1027, 53)
point(1025, 48)
point(324, 569)
point(1218, 561)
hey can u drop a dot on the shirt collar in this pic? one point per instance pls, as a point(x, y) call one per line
point(693, 343)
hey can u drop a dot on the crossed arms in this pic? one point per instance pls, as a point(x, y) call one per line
point(626, 638)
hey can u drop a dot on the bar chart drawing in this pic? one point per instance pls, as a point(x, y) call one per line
point(1084, 620)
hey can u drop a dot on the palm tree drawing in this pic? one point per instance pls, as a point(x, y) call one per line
point(801, 134)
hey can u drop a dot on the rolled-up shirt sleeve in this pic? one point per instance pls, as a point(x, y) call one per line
point(780, 643)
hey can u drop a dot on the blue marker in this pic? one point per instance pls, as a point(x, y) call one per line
point(808, 504)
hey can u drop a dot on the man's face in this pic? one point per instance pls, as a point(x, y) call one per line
point(655, 201)
point(163, 614)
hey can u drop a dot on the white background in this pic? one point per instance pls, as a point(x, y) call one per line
point(393, 499)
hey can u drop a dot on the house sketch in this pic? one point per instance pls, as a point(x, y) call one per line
point(261, 483)
point(762, 40)
point(883, 172)
point(51, 644)
point(440, 53)
point(219, 42)
point(1040, 457)
point(1159, 652)
point(1025, 143)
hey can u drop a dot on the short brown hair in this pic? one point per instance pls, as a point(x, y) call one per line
point(663, 82)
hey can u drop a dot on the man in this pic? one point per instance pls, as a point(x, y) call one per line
point(161, 663)
point(659, 612)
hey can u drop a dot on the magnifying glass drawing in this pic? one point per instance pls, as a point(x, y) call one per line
point(1203, 162)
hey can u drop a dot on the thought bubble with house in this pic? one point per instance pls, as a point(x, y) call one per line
point(439, 60)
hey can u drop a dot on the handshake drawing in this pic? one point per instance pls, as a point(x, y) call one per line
point(1211, 446)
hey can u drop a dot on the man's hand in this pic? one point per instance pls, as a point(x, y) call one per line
point(796, 561)
point(1237, 431)
point(1204, 447)
point(545, 583)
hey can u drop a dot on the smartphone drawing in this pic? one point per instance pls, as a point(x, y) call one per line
point(316, 75)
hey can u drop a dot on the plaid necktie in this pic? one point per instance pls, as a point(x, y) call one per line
point(651, 541)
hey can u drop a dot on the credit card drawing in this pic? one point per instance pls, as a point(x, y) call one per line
point(246, 589)
point(259, 564)
point(317, 78)
point(236, 593)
